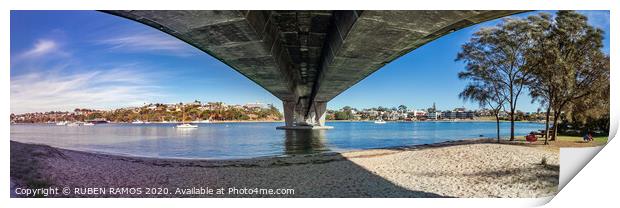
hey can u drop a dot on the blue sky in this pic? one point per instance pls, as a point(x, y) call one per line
point(61, 60)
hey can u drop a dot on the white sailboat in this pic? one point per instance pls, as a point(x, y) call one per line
point(380, 121)
point(185, 125)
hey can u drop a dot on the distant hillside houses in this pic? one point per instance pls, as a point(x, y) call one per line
point(178, 107)
point(160, 112)
point(403, 114)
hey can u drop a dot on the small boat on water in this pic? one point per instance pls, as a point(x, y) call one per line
point(88, 124)
point(62, 123)
point(137, 122)
point(97, 121)
point(380, 121)
point(74, 124)
point(186, 126)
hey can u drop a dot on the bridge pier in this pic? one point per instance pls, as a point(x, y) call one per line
point(296, 118)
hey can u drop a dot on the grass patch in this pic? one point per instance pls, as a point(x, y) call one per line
point(563, 141)
point(598, 139)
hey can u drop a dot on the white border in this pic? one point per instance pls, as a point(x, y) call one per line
point(593, 186)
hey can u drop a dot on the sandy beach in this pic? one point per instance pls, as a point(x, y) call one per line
point(477, 168)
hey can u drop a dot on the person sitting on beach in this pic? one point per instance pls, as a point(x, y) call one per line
point(587, 137)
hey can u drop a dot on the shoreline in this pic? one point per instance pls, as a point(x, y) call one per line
point(437, 168)
point(476, 140)
point(455, 120)
point(332, 121)
point(325, 153)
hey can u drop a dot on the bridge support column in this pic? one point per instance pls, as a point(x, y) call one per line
point(289, 113)
point(320, 111)
point(296, 119)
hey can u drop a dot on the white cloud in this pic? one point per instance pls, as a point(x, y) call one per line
point(41, 47)
point(149, 42)
point(99, 89)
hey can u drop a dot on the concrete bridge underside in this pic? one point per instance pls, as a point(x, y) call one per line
point(306, 58)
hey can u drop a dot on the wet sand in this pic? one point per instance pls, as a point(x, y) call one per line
point(475, 168)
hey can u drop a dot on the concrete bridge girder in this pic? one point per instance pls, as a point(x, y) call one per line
point(306, 58)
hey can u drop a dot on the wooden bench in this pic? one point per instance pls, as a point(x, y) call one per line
point(542, 132)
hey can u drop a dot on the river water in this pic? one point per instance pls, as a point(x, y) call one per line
point(248, 140)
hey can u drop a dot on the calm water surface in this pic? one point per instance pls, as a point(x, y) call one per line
point(247, 140)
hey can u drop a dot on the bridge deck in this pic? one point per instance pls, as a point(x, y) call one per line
point(306, 58)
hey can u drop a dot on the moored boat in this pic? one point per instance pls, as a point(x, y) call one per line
point(97, 121)
point(186, 126)
point(74, 124)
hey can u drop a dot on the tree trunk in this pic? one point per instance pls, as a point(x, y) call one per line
point(497, 120)
point(555, 125)
point(512, 124)
point(547, 125)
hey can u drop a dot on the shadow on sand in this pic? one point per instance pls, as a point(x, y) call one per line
point(310, 175)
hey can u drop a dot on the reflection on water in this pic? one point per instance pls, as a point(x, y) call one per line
point(247, 140)
point(304, 141)
point(186, 132)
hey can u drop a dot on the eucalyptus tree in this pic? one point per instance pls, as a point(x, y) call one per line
point(497, 55)
point(542, 84)
point(566, 64)
point(402, 108)
point(485, 93)
point(591, 112)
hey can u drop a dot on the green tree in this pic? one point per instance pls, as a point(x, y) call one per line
point(497, 55)
point(341, 115)
point(486, 92)
point(402, 108)
point(567, 65)
point(347, 113)
point(94, 116)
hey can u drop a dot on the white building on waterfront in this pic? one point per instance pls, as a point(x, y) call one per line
point(435, 115)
